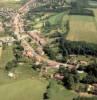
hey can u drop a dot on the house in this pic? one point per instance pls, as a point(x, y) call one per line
point(9, 43)
point(80, 72)
point(58, 76)
point(40, 51)
point(12, 75)
point(53, 64)
point(37, 63)
point(92, 89)
point(28, 53)
point(37, 37)
point(83, 62)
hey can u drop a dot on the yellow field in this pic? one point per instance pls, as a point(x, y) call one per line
point(82, 29)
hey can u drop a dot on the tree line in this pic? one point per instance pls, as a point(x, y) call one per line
point(73, 47)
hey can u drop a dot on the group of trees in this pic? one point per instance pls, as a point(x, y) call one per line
point(17, 50)
point(66, 47)
point(82, 48)
point(71, 77)
point(78, 7)
point(91, 76)
point(10, 65)
point(85, 98)
point(79, 4)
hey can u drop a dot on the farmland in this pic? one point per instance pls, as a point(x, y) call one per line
point(82, 28)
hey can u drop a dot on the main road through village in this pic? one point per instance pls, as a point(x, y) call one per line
point(18, 29)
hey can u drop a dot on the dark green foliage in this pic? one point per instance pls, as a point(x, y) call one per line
point(89, 79)
point(18, 51)
point(79, 4)
point(11, 65)
point(92, 69)
point(71, 78)
point(82, 48)
point(49, 52)
point(85, 98)
point(91, 74)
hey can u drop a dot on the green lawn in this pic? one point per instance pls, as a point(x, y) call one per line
point(29, 89)
point(58, 92)
point(56, 19)
point(7, 55)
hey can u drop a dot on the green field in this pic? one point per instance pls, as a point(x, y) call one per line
point(53, 18)
point(58, 92)
point(27, 86)
point(56, 19)
point(29, 89)
point(82, 28)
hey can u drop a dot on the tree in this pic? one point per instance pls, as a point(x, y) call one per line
point(79, 5)
point(18, 51)
point(89, 79)
point(71, 78)
point(85, 98)
point(51, 54)
point(70, 82)
point(10, 65)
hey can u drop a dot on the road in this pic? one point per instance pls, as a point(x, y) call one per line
point(18, 29)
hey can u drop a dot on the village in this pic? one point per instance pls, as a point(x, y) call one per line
point(43, 50)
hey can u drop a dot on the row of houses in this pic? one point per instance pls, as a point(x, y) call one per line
point(37, 37)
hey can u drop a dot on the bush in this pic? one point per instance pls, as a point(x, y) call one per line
point(10, 65)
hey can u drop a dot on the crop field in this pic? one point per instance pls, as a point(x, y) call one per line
point(82, 28)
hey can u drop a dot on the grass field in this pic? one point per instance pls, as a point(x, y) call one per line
point(82, 28)
point(28, 89)
point(56, 19)
point(7, 55)
point(58, 92)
